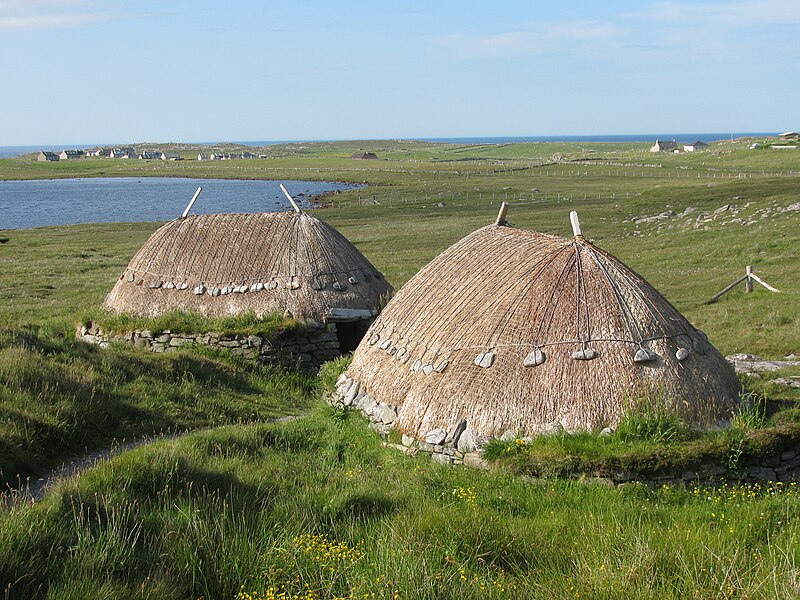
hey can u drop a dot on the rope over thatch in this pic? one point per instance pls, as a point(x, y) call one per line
point(226, 264)
point(515, 331)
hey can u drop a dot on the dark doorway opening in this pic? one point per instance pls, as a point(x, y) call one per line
point(350, 334)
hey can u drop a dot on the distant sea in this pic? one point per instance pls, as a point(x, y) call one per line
point(10, 151)
point(639, 138)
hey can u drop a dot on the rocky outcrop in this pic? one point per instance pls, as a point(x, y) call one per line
point(750, 364)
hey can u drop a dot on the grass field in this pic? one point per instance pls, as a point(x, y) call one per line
point(316, 508)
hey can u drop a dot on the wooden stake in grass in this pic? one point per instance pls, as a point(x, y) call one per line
point(191, 203)
point(291, 200)
point(749, 277)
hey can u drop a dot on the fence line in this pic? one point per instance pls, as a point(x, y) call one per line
point(538, 171)
point(504, 196)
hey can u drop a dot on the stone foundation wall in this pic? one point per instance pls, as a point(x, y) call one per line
point(459, 446)
point(783, 467)
point(305, 350)
point(456, 446)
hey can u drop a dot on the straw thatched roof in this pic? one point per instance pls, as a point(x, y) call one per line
point(227, 264)
point(518, 331)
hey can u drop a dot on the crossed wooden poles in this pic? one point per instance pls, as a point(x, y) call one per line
point(749, 277)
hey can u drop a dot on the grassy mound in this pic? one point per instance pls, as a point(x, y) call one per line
point(186, 322)
point(59, 397)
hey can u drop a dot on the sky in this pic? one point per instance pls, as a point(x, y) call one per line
point(110, 71)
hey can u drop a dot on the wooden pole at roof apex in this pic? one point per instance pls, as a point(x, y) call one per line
point(576, 224)
point(291, 200)
point(191, 203)
point(501, 216)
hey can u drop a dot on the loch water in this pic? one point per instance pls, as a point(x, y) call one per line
point(25, 204)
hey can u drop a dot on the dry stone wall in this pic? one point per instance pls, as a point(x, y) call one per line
point(305, 350)
point(459, 446)
point(456, 446)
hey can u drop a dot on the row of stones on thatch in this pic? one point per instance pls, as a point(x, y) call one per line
point(291, 283)
point(308, 349)
point(534, 358)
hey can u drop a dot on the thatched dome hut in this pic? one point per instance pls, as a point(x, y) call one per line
point(516, 331)
point(227, 264)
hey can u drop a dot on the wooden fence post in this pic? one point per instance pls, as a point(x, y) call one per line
point(749, 277)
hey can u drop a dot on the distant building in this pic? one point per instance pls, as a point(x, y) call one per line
point(364, 155)
point(694, 146)
point(95, 152)
point(215, 156)
point(123, 153)
point(248, 155)
point(789, 135)
point(150, 155)
point(170, 156)
point(43, 156)
point(70, 154)
point(660, 146)
point(202, 156)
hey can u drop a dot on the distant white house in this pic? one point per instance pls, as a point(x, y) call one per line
point(170, 156)
point(202, 156)
point(43, 156)
point(123, 153)
point(660, 146)
point(789, 135)
point(694, 146)
point(150, 155)
point(96, 152)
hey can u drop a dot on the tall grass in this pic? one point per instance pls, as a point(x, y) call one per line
point(315, 508)
point(59, 397)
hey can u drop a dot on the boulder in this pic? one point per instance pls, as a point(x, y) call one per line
point(554, 428)
point(455, 433)
point(387, 415)
point(466, 441)
point(436, 436)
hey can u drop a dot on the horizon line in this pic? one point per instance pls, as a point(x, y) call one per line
point(435, 139)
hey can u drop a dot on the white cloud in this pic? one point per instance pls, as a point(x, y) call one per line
point(548, 38)
point(728, 14)
point(31, 15)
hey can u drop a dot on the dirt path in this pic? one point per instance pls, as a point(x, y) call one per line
point(31, 490)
